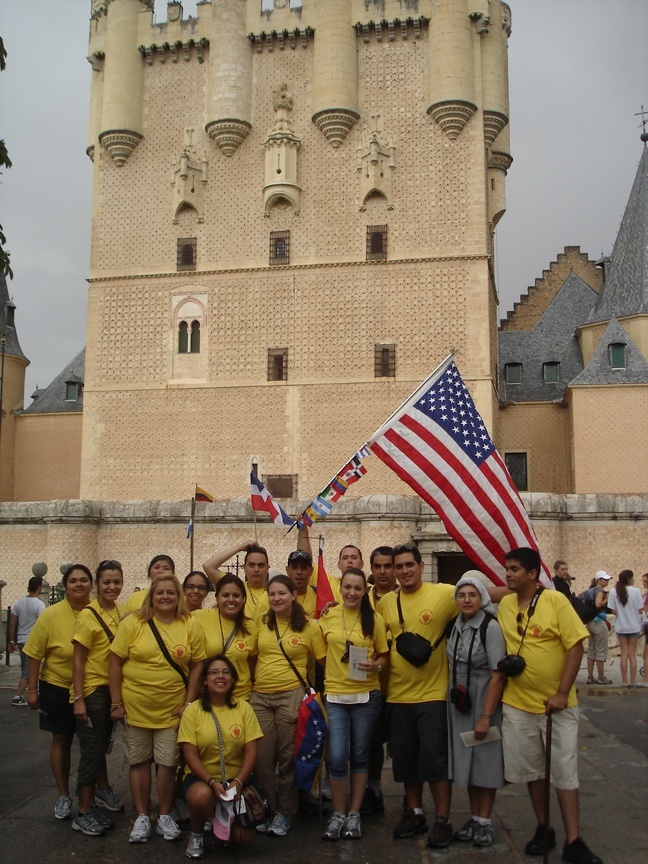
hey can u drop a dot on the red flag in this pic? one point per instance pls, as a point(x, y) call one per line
point(438, 444)
point(324, 590)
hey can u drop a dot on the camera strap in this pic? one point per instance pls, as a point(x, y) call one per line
point(454, 657)
point(532, 608)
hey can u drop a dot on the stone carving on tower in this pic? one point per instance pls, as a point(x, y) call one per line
point(189, 179)
point(375, 165)
point(281, 148)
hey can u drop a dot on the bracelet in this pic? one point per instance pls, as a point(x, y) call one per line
point(211, 782)
point(76, 698)
point(236, 780)
point(117, 705)
point(379, 668)
point(486, 715)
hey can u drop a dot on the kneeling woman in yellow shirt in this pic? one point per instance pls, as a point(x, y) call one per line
point(154, 673)
point(352, 696)
point(219, 736)
point(285, 637)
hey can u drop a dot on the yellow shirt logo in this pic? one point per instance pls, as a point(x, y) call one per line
point(240, 645)
point(536, 630)
point(179, 650)
point(236, 731)
point(425, 616)
point(294, 641)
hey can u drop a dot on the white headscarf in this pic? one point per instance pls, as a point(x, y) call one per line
point(472, 577)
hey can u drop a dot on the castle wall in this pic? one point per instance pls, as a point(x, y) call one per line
point(542, 431)
point(608, 420)
point(589, 531)
point(13, 388)
point(47, 456)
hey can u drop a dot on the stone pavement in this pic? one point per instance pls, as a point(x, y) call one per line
point(614, 802)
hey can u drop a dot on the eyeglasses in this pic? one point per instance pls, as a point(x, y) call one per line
point(202, 588)
point(345, 657)
point(219, 673)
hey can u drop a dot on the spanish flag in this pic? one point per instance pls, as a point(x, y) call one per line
point(201, 495)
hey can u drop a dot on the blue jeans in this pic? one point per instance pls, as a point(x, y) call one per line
point(349, 735)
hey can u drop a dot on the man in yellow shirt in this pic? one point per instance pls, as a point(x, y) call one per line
point(543, 629)
point(416, 695)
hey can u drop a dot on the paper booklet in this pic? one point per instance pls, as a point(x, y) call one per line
point(469, 739)
point(357, 655)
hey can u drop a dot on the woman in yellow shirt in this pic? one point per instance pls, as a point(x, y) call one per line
point(352, 643)
point(49, 648)
point(217, 720)
point(228, 631)
point(195, 587)
point(161, 565)
point(285, 636)
point(94, 631)
point(154, 673)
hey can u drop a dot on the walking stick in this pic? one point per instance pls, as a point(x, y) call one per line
point(547, 791)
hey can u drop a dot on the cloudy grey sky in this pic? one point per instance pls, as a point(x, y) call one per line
point(578, 74)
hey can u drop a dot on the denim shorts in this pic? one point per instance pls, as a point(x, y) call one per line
point(349, 735)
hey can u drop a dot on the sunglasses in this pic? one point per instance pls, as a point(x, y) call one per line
point(191, 587)
point(109, 564)
point(520, 618)
point(345, 656)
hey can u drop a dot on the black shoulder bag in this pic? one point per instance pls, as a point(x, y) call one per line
point(413, 647)
point(165, 651)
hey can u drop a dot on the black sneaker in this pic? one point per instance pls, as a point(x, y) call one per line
point(440, 835)
point(411, 823)
point(577, 852)
point(373, 802)
point(535, 846)
point(309, 805)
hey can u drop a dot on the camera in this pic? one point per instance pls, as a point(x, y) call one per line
point(512, 665)
point(460, 698)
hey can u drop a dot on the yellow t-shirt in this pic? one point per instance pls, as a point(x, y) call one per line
point(426, 612)
point(50, 641)
point(255, 596)
point(89, 633)
point(307, 601)
point(240, 648)
point(134, 602)
point(151, 688)
point(239, 726)
point(273, 672)
point(554, 629)
point(374, 596)
point(338, 625)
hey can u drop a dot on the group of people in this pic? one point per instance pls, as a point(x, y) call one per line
point(629, 606)
point(459, 688)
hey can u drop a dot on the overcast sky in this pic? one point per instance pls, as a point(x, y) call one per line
point(578, 75)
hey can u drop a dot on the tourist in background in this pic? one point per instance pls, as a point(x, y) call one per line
point(626, 602)
point(597, 648)
point(21, 621)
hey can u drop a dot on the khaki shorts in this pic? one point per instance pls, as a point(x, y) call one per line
point(523, 742)
point(142, 745)
point(598, 641)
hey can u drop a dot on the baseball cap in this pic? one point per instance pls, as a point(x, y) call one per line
point(300, 555)
point(601, 574)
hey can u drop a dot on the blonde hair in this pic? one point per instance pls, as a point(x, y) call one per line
point(146, 611)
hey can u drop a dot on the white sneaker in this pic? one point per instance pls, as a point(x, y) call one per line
point(141, 830)
point(63, 807)
point(167, 828)
point(279, 826)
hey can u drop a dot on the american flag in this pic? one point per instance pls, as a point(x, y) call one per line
point(438, 444)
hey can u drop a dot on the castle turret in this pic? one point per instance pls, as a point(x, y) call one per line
point(451, 66)
point(228, 107)
point(123, 85)
point(12, 387)
point(494, 36)
point(335, 71)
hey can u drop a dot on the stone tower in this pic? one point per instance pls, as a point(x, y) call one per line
point(12, 383)
point(293, 215)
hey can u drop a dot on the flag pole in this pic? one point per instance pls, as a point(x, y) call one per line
point(193, 534)
point(256, 535)
point(441, 368)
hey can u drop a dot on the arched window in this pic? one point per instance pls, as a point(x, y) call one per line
point(183, 338)
point(195, 337)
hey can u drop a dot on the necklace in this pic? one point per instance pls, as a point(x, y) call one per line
point(230, 638)
point(349, 633)
point(108, 614)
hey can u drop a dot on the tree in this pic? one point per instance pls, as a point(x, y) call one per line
point(5, 162)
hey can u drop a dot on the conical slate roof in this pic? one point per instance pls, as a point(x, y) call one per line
point(599, 370)
point(12, 345)
point(625, 291)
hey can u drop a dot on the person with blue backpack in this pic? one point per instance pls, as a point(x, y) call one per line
point(597, 651)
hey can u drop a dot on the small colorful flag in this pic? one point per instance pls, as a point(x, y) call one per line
point(190, 527)
point(324, 590)
point(263, 500)
point(321, 505)
point(201, 495)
